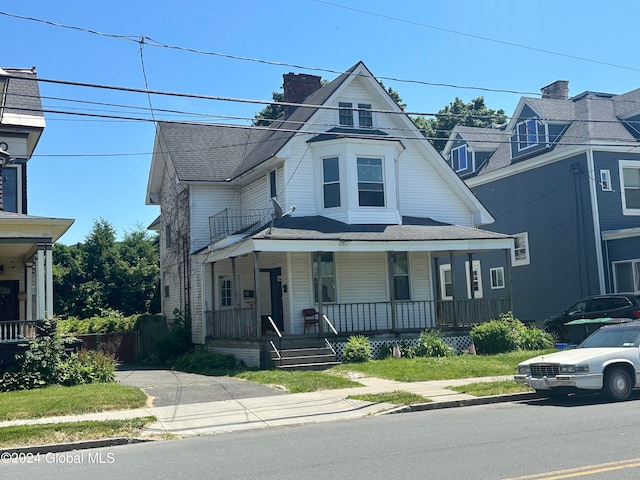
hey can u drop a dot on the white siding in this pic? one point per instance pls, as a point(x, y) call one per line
point(420, 270)
point(256, 194)
point(300, 289)
point(206, 201)
point(362, 277)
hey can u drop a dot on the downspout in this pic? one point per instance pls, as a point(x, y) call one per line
point(596, 219)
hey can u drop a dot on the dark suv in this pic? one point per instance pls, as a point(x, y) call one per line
point(618, 305)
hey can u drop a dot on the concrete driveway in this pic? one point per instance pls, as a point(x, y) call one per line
point(168, 387)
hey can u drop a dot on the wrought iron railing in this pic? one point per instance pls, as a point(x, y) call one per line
point(236, 222)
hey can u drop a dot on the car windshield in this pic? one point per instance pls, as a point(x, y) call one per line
point(613, 337)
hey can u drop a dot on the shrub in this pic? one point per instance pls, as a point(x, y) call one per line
point(202, 360)
point(506, 334)
point(431, 344)
point(177, 340)
point(357, 349)
point(406, 350)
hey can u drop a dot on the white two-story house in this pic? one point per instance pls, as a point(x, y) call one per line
point(341, 206)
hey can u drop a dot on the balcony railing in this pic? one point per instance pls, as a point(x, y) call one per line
point(18, 330)
point(236, 222)
point(372, 317)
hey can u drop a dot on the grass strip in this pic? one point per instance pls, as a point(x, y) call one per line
point(485, 389)
point(52, 433)
point(57, 400)
point(298, 381)
point(397, 397)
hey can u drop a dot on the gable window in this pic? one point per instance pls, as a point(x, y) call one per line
point(346, 114)
point(273, 190)
point(497, 277)
point(400, 274)
point(446, 282)
point(630, 187)
point(475, 281)
point(520, 253)
point(365, 118)
point(226, 292)
point(459, 158)
point(605, 180)
point(331, 182)
point(328, 276)
point(370, 182)
point(527, 133)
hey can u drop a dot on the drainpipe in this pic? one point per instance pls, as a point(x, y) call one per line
point(256, 293)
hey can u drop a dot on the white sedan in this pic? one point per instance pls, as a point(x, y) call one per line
point(607, 361)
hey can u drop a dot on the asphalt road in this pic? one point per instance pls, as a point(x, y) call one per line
point(582, 438)
point(168, 387)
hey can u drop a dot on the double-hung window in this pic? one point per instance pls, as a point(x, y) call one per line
point(475, 281)
point(627, 276)
point(345, 114)
point(226, 292)
point(10, 189)
point(331, 182)
point(446, 282)
point(327, 277)
point(400, 273)
point(365, 118)
point(520, 254)
point(630, 186)
point(370, 182)
point(527, 133)
point(459, 158)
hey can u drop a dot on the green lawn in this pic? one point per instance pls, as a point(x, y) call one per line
point(484, 389)
point(56, 400)
point(298, 381)
point(440, 368)
point(397, 397)
point(51, 433)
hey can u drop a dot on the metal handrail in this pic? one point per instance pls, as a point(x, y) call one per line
point(330, 346)
point(275, 349)
point(275, 328)
point(333, 329)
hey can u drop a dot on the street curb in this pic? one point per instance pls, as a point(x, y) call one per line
point(420, 407)
point(66, 447)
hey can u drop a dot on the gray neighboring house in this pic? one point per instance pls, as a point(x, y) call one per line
point(562, 177)
point(375, 214)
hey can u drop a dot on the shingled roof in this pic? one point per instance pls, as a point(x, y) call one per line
point(22, 94)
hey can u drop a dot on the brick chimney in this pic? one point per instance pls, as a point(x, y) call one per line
point(297, 87)
point(558, 90)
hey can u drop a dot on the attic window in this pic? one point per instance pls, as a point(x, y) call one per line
point(459, 158)
point(527, 133)
point(365, 118)
point(346, 114)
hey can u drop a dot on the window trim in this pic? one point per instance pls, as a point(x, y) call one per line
point(365, 108)
point(605, 180)
point(225, 292)
point(499, 278)
point(333, 182)
point(443, 283)
point(635, 271)
point(272, 178)
point(527, 258)
point(382, 182)
point(628, 164)
point(455, 152)
point(477, 273)
point(525, 144)
point(314, 278)
point(344, 107)
point(394, 275)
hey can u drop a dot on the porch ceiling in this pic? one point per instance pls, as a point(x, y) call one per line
point(312, 234)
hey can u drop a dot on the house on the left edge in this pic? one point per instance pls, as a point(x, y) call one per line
point(26, 275)
point(381, 229)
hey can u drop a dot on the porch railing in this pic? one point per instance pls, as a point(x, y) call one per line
point(230, 222)
point(373, 316)
point(15, 331)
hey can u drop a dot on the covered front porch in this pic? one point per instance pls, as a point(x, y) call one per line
point(380, 279)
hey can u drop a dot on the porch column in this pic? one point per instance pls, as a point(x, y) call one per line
point(28, 289)
point(507, 273)
point(453, 288)
point(203, 303)
point(256, 293)
point(236, 293)
point(392, 293)
point(318, 257)
point(49, 281)
point(40, 285)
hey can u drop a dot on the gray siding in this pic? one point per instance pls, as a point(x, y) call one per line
point(610, 202)
point(551, 203)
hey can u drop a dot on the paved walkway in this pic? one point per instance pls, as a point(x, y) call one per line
point(204, 418)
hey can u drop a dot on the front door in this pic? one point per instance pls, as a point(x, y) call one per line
point(8, 300)
point(271, 297)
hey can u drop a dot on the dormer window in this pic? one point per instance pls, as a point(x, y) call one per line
point(347, 113)
point(370, 182)
point(459, 158)
point(527, 133)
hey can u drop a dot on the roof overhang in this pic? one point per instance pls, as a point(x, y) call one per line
point(20, 234)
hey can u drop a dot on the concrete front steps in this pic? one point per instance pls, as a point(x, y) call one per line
point(305, 355)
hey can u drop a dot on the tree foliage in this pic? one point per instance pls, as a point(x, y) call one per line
point(271, 112)
point(102, 274)
point(472, 114)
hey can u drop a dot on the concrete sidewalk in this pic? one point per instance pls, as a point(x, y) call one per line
point(290, 409)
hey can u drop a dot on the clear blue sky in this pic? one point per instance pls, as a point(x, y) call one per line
point(89, 168)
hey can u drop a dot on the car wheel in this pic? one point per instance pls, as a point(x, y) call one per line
point(618, 384)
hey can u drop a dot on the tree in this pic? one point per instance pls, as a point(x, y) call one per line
point(102, 274)
point(472, 114)
point(271, 112)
